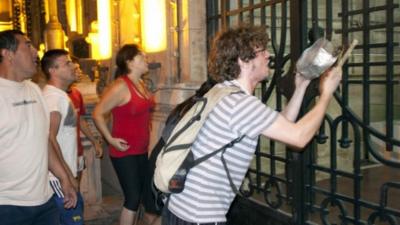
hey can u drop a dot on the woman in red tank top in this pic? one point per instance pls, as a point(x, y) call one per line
point(130, 104)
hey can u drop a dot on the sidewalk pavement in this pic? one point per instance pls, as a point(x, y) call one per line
point(107, 212)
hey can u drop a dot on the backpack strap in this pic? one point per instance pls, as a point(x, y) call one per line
point(234, 189)
point(195, 118)
point(223, 149)
point(165, 196)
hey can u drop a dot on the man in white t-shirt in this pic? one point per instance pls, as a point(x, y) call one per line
point(239, 57)
point(25, 156)
point(60, 73)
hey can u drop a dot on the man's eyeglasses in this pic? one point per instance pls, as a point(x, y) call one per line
point(260, 50)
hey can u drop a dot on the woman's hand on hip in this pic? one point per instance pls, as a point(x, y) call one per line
point(119, 143)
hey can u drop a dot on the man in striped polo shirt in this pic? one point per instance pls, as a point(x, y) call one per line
point(239, 57)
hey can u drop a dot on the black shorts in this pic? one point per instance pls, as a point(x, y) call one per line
point(131, 172)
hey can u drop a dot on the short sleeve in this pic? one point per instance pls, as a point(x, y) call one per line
point(250, 116)
point(77, 100)
point(54, 102)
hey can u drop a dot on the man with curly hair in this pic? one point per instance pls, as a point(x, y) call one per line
point(239, 57)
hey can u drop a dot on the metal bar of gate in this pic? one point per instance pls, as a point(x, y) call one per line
point(298, 42)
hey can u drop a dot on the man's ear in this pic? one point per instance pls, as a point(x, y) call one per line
point(244, 65)
point(6, 54)
point(240, 62)
point(51, 70)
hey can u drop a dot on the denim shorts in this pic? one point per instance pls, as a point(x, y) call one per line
point(30, 215)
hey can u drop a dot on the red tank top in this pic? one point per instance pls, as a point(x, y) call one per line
point(131, 122)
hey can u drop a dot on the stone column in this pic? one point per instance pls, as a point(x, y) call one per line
point(185, 67)
point(54, 34)
point(193, 49)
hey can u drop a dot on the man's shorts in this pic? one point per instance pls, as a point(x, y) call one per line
point(72, 216)
point(30, 215)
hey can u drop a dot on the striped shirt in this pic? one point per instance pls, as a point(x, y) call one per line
point(208, 195)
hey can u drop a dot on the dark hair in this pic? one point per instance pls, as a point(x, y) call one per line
point(48, 60)
point(127, 52)
point(231, 45)
point(9, 41)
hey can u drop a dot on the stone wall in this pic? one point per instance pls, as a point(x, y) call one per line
point(91, 187)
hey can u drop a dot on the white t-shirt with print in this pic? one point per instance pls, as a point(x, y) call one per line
point(24, 130)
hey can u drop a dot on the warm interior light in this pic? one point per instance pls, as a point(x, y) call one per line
point(79, 25)
point(104, 29)
point(47, 10)
point(93, 39)
point(5, 16)
point(5, 26)
point(153, 25)
point(41, 50)
point(71, 14)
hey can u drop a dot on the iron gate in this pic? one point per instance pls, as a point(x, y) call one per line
point(349, 173)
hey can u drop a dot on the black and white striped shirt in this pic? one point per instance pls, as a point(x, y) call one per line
point(208, 195)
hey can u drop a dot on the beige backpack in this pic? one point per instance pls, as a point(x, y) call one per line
point(176, 158)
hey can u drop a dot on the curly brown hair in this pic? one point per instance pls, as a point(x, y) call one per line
point(228, 46)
